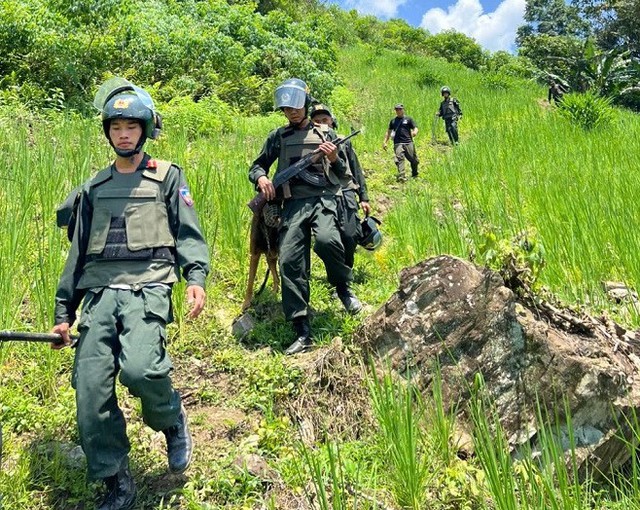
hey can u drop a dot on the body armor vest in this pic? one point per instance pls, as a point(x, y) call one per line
point(130, 219)
point(449, 109)
point(296, 143)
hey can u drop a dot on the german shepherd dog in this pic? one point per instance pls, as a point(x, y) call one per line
point(263, 240)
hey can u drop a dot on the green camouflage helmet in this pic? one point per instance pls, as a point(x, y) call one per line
point(118, 98)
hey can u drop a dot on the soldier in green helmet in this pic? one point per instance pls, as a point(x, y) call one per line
point(354, 187)
point(450, 111)
point(136, 227)
point(309, 208)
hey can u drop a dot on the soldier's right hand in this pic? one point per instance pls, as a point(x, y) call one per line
point(61, 329)
point(266, 187)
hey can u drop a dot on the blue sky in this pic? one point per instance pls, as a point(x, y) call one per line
point(492, 23)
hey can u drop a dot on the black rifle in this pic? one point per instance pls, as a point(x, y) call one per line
point(22, 336)
point(258, 202)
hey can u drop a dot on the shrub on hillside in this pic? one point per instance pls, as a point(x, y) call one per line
point(587, 110)
point(510, 65)
point(428, 78)
point(206, 117)
point(456, 47)
point(498, 81)
point(343, 101)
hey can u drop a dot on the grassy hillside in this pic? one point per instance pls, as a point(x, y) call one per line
point(519, 166)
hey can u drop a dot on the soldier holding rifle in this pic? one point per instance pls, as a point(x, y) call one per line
point(309, 207)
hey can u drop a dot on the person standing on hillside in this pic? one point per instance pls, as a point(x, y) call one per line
point(556, 92)
point(309, 208)
point(402, 130)
point(135, 227)
point(450, 111)
point(354, 188)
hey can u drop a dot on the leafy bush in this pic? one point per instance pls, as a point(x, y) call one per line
point(343, 102)
point(587, 110)
point(498, 81)
point(510, 65)
point(428, 78)
point(203, 118)
point(456, 47)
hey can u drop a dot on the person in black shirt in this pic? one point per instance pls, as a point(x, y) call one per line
point(402, 130)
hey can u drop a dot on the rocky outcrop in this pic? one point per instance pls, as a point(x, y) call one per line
point(462, 316)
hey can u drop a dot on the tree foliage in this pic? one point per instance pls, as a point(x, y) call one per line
point(551, 18)
point(196, 48)
point(56, 52)
point(456, 47)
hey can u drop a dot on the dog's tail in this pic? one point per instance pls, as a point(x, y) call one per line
point(264, 283)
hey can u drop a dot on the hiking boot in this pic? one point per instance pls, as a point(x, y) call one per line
point(349, 300)
point(121, 491)
point(303, 340)
point(179, 444)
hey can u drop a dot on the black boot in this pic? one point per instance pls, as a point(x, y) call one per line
point(179, 444)
point(121, 491)
point(302, 341)
point(349, 300)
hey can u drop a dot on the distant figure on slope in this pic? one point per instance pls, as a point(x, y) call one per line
point(450, 111)
point(402, 130)
point(354, 188)
point(556, 91)
point(136, 227)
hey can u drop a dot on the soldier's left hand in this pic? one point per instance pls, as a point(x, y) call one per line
point(366, 208)
point(329, 150)
point(196, 297)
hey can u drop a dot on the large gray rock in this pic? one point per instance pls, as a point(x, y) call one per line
point(450, 310)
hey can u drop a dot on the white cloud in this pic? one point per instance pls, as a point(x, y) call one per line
point(494, 31)
point(380, 8)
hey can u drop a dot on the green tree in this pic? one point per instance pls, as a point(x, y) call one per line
point(551, 18)
point(456, 47)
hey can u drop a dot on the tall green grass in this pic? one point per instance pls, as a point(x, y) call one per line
point(519, 166)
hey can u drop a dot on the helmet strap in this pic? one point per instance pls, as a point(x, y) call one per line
point(125, 153)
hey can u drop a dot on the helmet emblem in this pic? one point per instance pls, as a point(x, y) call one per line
point(121, 104)
point(286, 97)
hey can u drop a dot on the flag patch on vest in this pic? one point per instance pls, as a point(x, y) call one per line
point(185, 194)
